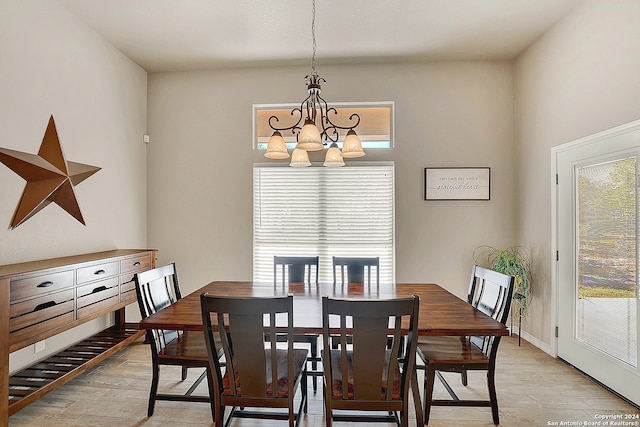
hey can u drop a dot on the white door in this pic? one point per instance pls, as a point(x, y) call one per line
point(597, 259)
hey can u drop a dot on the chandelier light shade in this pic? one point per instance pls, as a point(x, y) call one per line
point(276, 147)
point(309, 138)
point(352, 146)
point(333, 157)
point(299, 158)
point(317, 131)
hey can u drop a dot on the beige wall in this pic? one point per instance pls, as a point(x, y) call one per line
point(53, 64)
point(446, 114)
point(581, 77)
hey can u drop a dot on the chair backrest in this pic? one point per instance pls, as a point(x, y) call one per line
point(295, 268)
point(356, 269)
point(473, 285)
point(491, 293)
point(375, 328)
point(156, 289)
point(249, 344)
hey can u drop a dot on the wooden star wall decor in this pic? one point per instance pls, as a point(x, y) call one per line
point(50, 177)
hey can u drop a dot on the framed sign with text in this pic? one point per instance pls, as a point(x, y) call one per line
point(467, 183)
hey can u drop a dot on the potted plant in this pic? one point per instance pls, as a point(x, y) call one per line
point(514, 261)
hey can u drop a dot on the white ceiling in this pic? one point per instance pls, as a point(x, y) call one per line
point(167, 35)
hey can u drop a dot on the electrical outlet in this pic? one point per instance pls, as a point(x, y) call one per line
point(146, 138)
point(38, 347)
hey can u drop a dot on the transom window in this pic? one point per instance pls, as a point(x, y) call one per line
point(375, 129)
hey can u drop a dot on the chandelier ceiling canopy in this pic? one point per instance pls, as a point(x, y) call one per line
point(318, 130)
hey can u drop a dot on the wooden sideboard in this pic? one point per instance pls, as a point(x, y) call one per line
point(40, 299)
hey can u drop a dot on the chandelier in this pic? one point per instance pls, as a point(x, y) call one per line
point(318, 130)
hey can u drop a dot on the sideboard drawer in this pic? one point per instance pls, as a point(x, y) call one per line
point(39, 285)
point(138, 263)
point(98, 291)
point(98, 271)
point(128, 289)
point(41, 309)
point(128, 286)
point(31, 333)
point(128, 278)
point(98, 307)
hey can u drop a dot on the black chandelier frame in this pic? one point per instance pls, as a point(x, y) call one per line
point(311, 105)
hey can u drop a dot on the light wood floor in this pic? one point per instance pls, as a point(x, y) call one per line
point(533, 390)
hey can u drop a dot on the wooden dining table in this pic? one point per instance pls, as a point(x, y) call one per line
point(441, 312)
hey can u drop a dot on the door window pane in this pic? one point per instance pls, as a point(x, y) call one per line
point(607, 258)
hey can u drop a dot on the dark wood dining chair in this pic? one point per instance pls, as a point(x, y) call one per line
point(353, 269)
point(490, 292)
point(358, 270)
point(478, 275)
point(157, 289)
point(300, 269)
point(368, 375)
point(258, 373)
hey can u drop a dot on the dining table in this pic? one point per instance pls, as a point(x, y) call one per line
point(441, 312)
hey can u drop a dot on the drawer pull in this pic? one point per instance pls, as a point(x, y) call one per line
point(136, 264)
point(45, 284)
point(99, 289)
point(44, 305)
point(99, 272)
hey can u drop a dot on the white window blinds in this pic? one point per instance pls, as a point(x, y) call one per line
point(327, 212)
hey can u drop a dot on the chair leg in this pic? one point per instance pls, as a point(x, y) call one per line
point(429, 380)
point(305, 397)
point(491, 383)
point(415, 389)
point(465, 380)
point(404, 413)
point(327, 404)
point(212, 397)
point(313, 340)
point(184, 373)
point(218, 410)
point(154, 389)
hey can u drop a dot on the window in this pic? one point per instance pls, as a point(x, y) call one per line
point(327, 212)
point(375, 129)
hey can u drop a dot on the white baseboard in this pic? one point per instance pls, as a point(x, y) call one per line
point(534, 341)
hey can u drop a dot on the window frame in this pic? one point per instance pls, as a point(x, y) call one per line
point(259, 142)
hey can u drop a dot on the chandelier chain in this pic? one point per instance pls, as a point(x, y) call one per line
point(313, 38)
point(314, 129)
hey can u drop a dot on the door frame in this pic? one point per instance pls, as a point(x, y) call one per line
point(555, 151)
